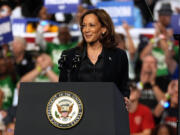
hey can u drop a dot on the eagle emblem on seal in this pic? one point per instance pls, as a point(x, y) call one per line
point(64, 109)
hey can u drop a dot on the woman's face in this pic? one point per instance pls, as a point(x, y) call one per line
point(92, 29)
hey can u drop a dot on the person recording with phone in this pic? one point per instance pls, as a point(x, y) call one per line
point(97, 58)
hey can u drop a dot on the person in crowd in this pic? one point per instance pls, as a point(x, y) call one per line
point(7, 54)
point(163, 129)
point(175, 4)
point(158, 45)
point(165, 13)
point(168, 106)
point(151, 92)
point(59, 44)
point(127, 45)
point(10, 129)
point(24, 61)
point(172, 62)
point(82, 8)
point(97, 57)
point(5, 9)
point(164, 16)
point(42, 72)
point(44, 24)
point(140, 116)
point(7, 84)
point(74, 23)
point(7, 117)
point(156, 48)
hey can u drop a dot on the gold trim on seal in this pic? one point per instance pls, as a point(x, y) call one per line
point(47, 108)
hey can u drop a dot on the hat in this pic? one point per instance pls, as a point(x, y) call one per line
point(165, 9)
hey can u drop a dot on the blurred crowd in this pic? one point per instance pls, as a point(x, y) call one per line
point(153, 63)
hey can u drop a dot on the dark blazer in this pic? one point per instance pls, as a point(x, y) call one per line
point(115, 67)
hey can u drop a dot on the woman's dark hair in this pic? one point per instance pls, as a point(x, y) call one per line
point(158, 127)
point(108, 38)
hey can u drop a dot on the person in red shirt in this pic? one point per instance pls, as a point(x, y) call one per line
point(140, 116)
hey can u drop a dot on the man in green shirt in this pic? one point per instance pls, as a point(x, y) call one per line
point(63, 42)
point(162, 40)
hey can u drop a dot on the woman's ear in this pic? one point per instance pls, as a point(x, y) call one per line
point(104, 30)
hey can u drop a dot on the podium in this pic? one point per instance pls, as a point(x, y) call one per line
point(104, 111)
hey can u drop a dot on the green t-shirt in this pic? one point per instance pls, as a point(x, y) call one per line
point(55, 51)
point(159, 54)
point(7, 86)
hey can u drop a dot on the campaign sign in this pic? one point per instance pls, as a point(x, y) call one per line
point(18, 26)
point(64, 6)
point(5, 30)
point(119, 11)
point(175, 23)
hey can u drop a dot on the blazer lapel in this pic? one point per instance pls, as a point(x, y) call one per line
point(108, 65)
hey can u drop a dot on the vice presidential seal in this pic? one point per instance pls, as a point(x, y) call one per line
point(64, 109)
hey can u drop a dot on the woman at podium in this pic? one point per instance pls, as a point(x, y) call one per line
point(96, 58)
